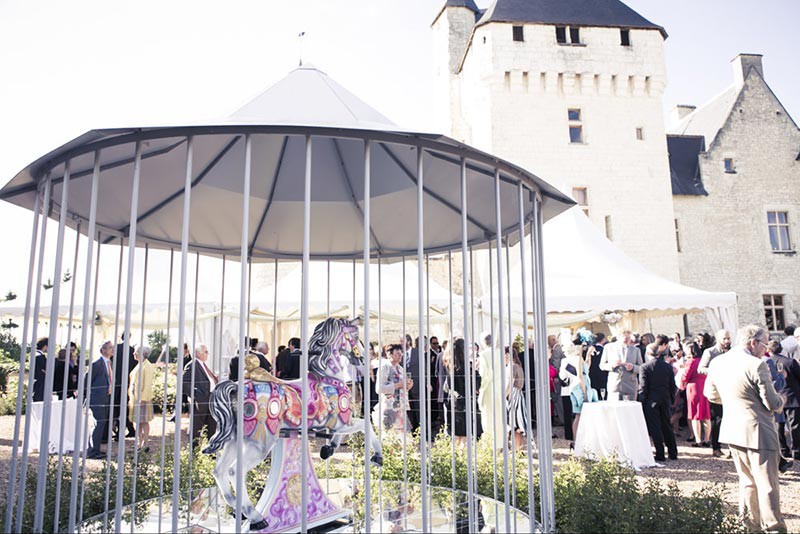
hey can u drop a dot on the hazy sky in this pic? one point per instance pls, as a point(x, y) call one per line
point(68, 67)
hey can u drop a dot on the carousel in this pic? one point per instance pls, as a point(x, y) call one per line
point(306, 173)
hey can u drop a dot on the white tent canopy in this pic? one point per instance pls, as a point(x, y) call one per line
point(586, 275)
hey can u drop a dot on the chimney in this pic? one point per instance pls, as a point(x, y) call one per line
point(742, 65)
point(680, 111)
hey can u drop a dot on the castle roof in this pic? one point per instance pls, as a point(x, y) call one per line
point(604, 13)
point(469, 4)
point(684, 165)
point(707, 120)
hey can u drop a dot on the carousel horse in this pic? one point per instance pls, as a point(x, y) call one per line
point(272, 405)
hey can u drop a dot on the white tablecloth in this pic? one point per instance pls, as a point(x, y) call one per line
point(614, 427)
point(60, 416)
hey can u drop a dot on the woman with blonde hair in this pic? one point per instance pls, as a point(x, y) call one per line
point(140, 391)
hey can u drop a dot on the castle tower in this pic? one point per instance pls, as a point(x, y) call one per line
point(571, 90)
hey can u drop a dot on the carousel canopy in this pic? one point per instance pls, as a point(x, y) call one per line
point(305, 103)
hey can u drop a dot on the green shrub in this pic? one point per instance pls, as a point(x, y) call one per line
point(9, 348)
point(158, 389)
point(8, 399)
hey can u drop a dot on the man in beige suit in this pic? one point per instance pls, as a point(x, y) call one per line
point(741, 382)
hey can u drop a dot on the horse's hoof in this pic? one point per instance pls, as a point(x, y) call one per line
point(326, 451)
point(258, 527)
point(377, 460)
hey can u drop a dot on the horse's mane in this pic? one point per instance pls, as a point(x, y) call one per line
point(320, 346)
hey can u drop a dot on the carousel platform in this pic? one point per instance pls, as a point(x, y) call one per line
point(396, 507)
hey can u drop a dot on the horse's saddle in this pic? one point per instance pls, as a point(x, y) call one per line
point(254, 371)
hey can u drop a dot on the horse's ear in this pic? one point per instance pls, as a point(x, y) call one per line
point(357, 321)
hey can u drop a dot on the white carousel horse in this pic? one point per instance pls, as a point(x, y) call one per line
point(273, 405)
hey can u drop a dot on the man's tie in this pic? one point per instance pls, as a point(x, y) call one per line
point(211, 376)
point(110, 376)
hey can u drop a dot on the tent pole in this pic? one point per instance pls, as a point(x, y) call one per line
point(26, 323)
point(176, 451)
point(51, 349)
point(526, 358)
point(123, 392)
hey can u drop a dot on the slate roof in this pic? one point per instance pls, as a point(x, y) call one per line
point(708, 118)
point(470, 4)
point(684, 165)
point(605, 13)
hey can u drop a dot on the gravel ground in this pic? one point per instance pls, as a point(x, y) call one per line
point(694, 469)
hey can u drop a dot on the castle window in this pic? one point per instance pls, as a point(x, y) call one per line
point(575, 126)
point(561, 34)
point(581, 196)
point(516, 32)
point(729, 166)
point(625, 37)
point(609, 233)
point(677, 236)
point(639, 134)
point(778, 224)
point(574, 35)
point(773, 313)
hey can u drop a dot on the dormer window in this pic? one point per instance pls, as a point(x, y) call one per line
point(517, 34)
point(625, 37)
point(568, 35)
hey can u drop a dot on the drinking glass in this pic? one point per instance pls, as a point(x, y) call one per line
point(603, 393)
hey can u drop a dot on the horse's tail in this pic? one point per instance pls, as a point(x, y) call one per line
point(221, 408)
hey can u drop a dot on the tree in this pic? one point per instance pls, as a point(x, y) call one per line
point(157, 339)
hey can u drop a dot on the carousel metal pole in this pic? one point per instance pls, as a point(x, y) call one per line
point(492, 385)
point(378, 382)
point(89, 378)
point(467, 343)
point(526, 359)
point(44, 443)
point(275, 317)
point(243, 316)
point(501, 346)
point(65, 383)
point(452, 377)
point(221, 316)
point(327, 315)
point(164, 399)
point(405, 388)
point(37, 211)
point(123, 390)
point(367, 367)
point(23, 474)
point(421, 360)
point(511, 430)
point(137, 408)
point(107, 490)
point(192, 379)
point(176, 450)
point(543, 427)
point(304, 338)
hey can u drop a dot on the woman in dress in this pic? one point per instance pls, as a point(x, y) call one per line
point(456, 365)
point(394, 386)
point(579, 383)
point(140, 391)
point(516, 413)
point(698, 410)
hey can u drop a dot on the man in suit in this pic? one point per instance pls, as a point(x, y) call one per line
point(40, 369)
point(288, 363)
point(622, 360)
point(261, 351)
point(100, 398)
point(412, 370)
point(721, 346)
point(789, 343)
point(119, 395)
point(791, 409)
point(204, 383)
point(657, 393)
point(742, 383)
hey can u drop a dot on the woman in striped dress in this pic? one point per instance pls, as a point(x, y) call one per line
point(516, 413)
